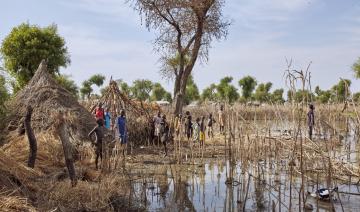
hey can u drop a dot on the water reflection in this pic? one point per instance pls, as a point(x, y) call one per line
point(225, 184)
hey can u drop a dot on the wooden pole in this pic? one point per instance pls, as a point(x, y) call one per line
point(67, 147)
point(31, 137)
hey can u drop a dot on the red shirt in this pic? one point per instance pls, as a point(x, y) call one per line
point(99, 113)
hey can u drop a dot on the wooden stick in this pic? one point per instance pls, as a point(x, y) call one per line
point(31, 137)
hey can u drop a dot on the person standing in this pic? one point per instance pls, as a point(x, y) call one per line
point(164, 133)
point(196, 131)
point(157, 123)
point(99, 132)
point(107, 119)
point(189, 127)
point(187, 114)
point(99, 112)
point(311, 120)
point(210, 124)
point(222, 119)
point(178, 124)
point(123, 137)
point(202, 131)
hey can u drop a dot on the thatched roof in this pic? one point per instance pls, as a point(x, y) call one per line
point(47, 98)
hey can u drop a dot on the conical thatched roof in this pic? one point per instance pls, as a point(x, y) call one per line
point(47, 98)
point(139, 114)
point(116, 100)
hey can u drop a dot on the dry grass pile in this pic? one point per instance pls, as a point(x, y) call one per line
point(14, 174)
point(49, 156)
point(47, 98)
point(16, 180)
point(15, 203)
point(110, 194)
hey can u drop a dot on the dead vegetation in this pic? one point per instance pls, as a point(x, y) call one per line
point(60, 125)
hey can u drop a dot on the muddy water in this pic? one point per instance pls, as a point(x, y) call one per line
point(220, 184)
point(209, 187)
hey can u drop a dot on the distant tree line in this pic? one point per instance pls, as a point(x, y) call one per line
point(26, 45)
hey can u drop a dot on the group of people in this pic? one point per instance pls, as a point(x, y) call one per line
point(196, 131)
point(162, 131)
point(103, 120)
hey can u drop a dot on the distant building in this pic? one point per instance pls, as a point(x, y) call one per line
point(163, 103)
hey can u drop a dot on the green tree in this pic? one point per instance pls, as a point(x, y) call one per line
point(247, 85)
point(185, 28)
point(158, 92)
point(341, 90)
point(277, 96)
point(68, 84)
point(141, 89)
point(124, 87)
point(86, 89)
point(226, 91)
point(262, 93)
point(300, 96)
point(209, 93)
point(192, 91)
point(4, 95)
point(168, 97)
point(356, 68)
point(97, 80)
point(322, 96)
point(25, 47)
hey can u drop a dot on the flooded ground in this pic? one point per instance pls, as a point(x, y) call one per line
point(206, 188)
point(226, 180)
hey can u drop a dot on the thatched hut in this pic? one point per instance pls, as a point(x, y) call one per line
point(139, 114)
point(47, 98)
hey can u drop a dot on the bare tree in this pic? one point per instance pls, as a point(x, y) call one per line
point(186, 29)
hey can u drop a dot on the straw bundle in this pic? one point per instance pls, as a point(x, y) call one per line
point(15, 203)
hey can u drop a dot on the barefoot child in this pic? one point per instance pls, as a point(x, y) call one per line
point(202, 131)
point(99, 132)
point(164, 133)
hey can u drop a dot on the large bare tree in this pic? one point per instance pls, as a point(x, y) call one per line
point(185, 29)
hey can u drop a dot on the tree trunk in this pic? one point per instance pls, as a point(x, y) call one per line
point(31, 137)
point(177, 85)
point(185, 70)
point(180, 96)
point(67, 147)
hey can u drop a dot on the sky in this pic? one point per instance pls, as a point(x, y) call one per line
point(108, 37)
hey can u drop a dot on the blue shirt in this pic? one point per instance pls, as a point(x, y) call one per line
point(107, 120)
point(121, 122)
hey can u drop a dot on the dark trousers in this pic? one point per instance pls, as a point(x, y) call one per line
point(311, 132)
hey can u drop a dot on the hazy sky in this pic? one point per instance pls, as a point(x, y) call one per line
point(106, 36)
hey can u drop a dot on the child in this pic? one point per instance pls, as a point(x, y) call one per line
point(210, 124)
point(222, 118)
point(99, 112)
point(189, 127)
point(311, 120)
point(202, 131)
point(164, 132)
point(157, 120)
point(196, 131)
point(121, 125)
point(107, 119)
point(99, 132)
point(178, 124)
